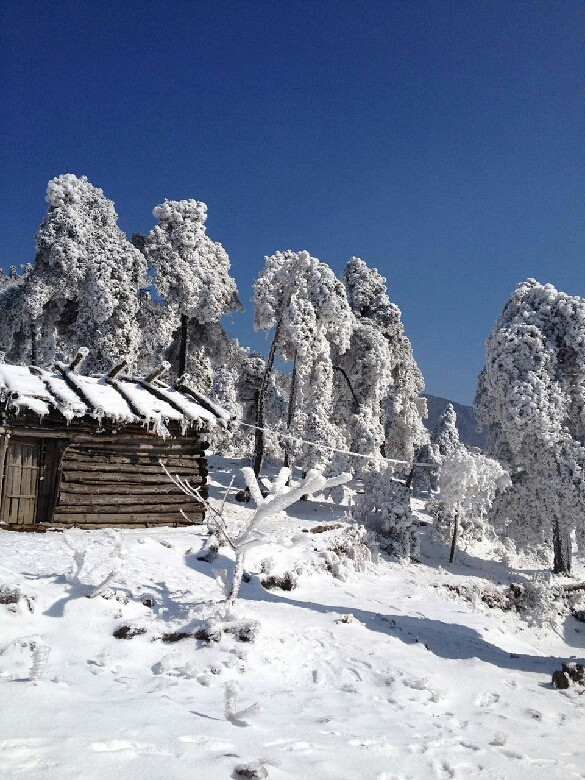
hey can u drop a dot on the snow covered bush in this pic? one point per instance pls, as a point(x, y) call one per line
point(468, 484)
point(270, 502)
point(384, 509)
point(348, 550)
point(539, 602)
point(531, 394)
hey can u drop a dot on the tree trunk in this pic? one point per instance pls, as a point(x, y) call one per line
point(259, 434)
point(561, 549)
point(291, 401)
point(356, 403)
point(183, 345)
point(455, 534)
point(236, 579)
point(33, 346)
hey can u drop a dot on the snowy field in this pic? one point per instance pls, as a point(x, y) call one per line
point(385, 673)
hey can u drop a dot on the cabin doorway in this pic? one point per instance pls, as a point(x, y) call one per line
point(22, 477)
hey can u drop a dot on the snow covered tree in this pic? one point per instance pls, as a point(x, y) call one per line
point(531, 394)
point(445, 436)
point(261, 526)
point(15, 331)
point(82, 289)
point(377, 381)
point(192, 277)
point(468, 483)
point(300, 298)
point(11, 278)
point(384, 509)
point(425, 471)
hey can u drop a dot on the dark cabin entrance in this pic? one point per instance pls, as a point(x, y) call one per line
point(22, 477)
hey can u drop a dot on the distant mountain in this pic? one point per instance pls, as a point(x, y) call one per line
point(466, 421)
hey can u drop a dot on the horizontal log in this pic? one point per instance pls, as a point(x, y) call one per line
point(124, 446)
point(109, 477)
point(164, 499)
point(87, 432)
point(124, 468)
point(136, 442)
point(126, 519)
point(148, 460)
point(178, 523)
point(113, 509)
point(120, 489)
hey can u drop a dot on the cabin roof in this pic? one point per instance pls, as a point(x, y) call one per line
point(115, 397)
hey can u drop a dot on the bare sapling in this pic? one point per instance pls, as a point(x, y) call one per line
point(259, 529)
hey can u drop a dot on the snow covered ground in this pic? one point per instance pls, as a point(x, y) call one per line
point(383, 674)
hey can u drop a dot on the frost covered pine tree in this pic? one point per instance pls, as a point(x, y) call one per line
point(82, 288)
point(445, 435)
point(192, 278)
point(15, 330)
point(301, 300)
point(531, 394)
point(377, 381)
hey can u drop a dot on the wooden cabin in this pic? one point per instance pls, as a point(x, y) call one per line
point(85, 451)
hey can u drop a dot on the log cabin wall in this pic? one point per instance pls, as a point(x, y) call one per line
point(86, 451)
point(119, 481)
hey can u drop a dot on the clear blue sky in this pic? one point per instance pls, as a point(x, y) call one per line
point(443, 142)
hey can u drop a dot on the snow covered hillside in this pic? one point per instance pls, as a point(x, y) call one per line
point(116, 660)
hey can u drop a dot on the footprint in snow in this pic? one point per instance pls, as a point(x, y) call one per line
point(131, 749)
point(487, 699)
point(443, 770)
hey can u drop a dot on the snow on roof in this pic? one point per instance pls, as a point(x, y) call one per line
point(122, 400)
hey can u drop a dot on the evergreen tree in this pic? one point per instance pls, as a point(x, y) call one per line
point(531, 394)
point(82, 288)
point(300, 299)
point(192, 277)
point(445, 435)
point(377, 382)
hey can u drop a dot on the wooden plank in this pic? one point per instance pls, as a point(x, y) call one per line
point(145, 468)
point(104, 478)
point(176, 522)
point(125, 446)
point(120, 489)
point(147, 460)
point(123, 468)
point(115, 509)
point(136, 443)
point(96, 499)
point(22, 478)
point(129, 519)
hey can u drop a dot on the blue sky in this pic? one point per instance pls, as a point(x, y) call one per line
point(443, 142)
